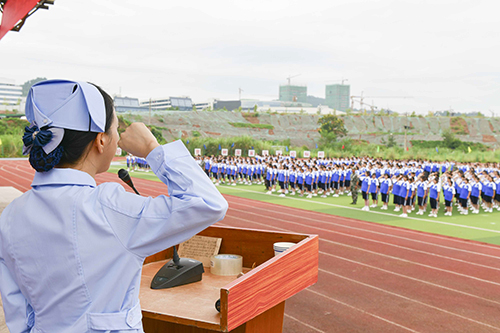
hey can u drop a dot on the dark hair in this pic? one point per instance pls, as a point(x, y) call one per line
point(73, 144)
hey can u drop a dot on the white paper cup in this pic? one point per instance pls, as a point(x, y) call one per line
point(281, 247)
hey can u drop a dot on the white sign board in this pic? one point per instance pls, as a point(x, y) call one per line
point(237, 152)
point(224, 152)
point(251, 152)
point(197, 151)
point(307, 153)
point(321, 154)
point(279, 152)
point(265, 152)
point(293, 153)
point(118, 150)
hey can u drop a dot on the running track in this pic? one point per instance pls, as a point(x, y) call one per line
point(372, 278)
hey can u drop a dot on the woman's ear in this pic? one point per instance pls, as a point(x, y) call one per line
point(100, 142)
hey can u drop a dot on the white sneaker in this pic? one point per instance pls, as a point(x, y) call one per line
point(349, 194)
point(268, 192)
point(335, 195)
point(281, 195)
point(286, 191)
point(309, 196)
point(315, 194)
point(404, 215)
point(273, 190)
point(233, 184)
point(323, 196)
point(293, 193)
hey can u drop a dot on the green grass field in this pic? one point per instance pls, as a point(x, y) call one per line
point(483, 227)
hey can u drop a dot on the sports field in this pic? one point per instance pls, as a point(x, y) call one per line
point(373, 277)
point(483, 227)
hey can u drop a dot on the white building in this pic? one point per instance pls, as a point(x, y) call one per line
point(10, 95)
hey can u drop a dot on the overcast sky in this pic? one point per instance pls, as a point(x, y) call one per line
point(443, 53)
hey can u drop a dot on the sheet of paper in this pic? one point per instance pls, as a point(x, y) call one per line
point(200, 248)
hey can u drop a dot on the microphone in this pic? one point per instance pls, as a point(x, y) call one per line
point(176, 272)
point(123, 174)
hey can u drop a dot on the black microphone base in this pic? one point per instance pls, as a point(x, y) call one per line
point(172, 275)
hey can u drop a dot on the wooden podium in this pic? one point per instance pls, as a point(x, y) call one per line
point(254, 302)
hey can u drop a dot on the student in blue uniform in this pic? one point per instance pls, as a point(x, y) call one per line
point(449, 193)
point(476, 188)
point(71, 251)
point(374, 188)
point(365, 186)
point(465, 190)
point(434, 190)
point(385, 189)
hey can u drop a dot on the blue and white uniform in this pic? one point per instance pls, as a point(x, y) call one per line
point(71, 252)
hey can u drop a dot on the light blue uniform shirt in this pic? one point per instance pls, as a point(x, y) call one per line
point(71, 252)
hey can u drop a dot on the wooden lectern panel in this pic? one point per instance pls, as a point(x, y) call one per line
point(252, 303)
point(272, 282)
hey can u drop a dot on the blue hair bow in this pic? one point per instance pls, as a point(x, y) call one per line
point(48, 139)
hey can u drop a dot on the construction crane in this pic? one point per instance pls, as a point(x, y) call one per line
point(288, 78)
point(342, 81)
point(361, 100)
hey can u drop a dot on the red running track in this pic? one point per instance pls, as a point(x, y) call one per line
point(373, 278)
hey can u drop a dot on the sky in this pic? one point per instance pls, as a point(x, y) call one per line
point(431, 55)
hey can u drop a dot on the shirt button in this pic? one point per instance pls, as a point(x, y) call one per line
point(45, 121)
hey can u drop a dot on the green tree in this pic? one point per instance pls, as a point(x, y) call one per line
point(330, 123)
point(331, 127)
point(27, 85)
point(449, 140)
point(391, 142)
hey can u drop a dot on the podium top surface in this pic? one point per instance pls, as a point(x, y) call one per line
point(191, 304)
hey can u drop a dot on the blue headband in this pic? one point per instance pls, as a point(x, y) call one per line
point(64, 104)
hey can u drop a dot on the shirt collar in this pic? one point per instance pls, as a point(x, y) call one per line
point(63, 176)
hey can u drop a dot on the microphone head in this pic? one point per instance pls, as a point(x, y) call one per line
point(123, 174)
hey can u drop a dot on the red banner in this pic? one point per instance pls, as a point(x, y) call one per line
point(13, 12)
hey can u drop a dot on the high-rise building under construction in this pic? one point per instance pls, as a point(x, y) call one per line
point(337, 96)
point(289, 93)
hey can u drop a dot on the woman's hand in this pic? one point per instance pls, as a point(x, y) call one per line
point(138, 140)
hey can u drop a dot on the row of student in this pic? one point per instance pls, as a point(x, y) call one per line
point(250, 170)
point(314, 176)
point(135, 163)
point(478, 190)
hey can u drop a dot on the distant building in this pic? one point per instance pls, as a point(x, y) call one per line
point(128, 104)
point(177, 103)
point(228, 105)
point(10, 94)
point(337, 96)
point(289, 93)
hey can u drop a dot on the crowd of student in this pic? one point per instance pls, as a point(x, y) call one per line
point(412, 184)
point(135, 163)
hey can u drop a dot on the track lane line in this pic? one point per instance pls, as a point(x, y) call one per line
point(409, 299)
point(372, 240)
point(374, 232)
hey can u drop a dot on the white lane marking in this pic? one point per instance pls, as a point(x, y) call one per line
point(409, 299)
point(372, 240)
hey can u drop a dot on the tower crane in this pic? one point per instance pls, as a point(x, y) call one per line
point(361, 100)
point(341, 81)
point(291, 76)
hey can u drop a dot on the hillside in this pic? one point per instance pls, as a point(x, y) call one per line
point(302, 129)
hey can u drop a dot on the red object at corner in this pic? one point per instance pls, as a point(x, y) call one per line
point(13, 12)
